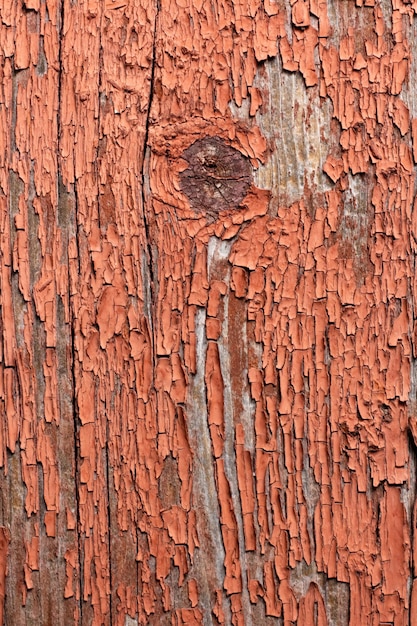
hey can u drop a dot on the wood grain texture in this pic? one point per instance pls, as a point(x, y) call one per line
point(207, 356)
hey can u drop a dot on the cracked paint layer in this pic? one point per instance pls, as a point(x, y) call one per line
point(206, 387)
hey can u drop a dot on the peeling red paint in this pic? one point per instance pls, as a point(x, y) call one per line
point(200, 401)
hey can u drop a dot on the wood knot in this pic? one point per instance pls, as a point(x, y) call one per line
point(217, 177)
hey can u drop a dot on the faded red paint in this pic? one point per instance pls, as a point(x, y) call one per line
point(241, 378)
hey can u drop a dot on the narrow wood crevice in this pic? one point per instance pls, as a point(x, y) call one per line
point(76, 573)
point(152, 262)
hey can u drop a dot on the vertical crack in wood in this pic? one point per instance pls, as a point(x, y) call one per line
point(75, 416)
point(151, 260)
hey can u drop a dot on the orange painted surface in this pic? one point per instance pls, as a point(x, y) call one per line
point(208, 399)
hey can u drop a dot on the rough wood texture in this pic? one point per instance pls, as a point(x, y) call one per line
point(208, 405)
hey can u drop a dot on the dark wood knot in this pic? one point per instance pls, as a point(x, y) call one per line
point(217, 177)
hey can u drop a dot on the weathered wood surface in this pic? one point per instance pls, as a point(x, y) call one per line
point(207, 376)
